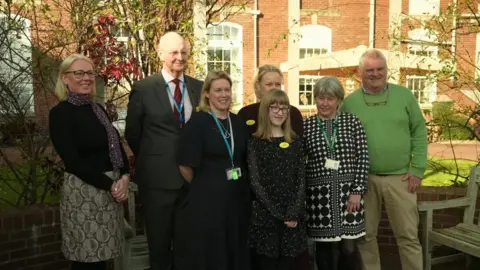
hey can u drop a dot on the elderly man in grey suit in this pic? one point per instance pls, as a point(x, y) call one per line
point(159, 106)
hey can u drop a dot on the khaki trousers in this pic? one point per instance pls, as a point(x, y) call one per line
point(401, 207)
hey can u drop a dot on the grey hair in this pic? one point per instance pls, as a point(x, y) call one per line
point(329, 85)
point(374, 54)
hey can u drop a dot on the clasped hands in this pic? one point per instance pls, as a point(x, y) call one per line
point(120, 188)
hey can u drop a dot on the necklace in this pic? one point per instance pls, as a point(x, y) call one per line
point(227, 133)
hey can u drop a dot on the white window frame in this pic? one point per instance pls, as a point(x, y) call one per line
point(429, 92)
point(311, 42)
point(418, 40)
point(312, 79)
point(23, 40)
point(235, 45)
point(424, 7)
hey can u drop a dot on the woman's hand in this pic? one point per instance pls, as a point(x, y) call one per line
point(120, 188)
point(353, 203)
point(290, 224)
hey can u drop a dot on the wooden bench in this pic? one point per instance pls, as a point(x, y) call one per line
point(464, 237)
point(135, 256)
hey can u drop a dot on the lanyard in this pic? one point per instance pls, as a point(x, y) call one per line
point(332, 140)
point(231, 145)
point(179, 107)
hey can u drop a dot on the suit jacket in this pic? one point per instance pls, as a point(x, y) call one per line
point(152, 131)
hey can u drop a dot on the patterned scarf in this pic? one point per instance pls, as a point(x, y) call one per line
point(113, 138)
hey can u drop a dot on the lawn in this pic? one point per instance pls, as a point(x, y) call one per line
point(11, 188)
point(442, 172)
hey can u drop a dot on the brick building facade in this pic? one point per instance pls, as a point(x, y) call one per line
point(308, 39)
point(312, 38)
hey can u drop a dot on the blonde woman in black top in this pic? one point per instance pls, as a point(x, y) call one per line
point(96, 169)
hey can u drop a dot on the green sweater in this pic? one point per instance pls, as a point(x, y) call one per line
point(396, 131)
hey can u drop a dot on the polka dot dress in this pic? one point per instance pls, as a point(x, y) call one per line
point(328, 190)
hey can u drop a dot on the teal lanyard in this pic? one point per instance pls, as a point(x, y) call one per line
point(330, 140)
point(230, 145)
point(179, 107)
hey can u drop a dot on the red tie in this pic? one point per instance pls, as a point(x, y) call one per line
point(178, 99)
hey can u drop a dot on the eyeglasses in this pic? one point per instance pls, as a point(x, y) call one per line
point(79, 74)
point(276, 109)
point(378, 103)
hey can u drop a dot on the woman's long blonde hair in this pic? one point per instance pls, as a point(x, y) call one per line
point(212, 76)
point(61, 88)
point(264, 127)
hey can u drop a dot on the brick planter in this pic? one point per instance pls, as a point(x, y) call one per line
point(30, 237)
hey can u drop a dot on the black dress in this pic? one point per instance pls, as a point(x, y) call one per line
point(277, 178)
point(218, 207)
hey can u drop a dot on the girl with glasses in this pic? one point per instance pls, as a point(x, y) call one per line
point(276, 170)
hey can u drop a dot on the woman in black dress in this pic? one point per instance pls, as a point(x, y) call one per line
point(96, 169)
point(276, 169)
point(212, 156)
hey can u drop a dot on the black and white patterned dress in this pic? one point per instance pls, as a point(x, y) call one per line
point(327, 189)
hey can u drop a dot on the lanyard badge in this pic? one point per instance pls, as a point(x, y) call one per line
point(330, 163)
point(233, 173)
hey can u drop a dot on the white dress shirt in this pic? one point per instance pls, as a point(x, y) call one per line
point(187, 104)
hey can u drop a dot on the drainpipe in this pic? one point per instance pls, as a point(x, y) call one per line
point(371, 42)
point(255, 13)
point(454, 38)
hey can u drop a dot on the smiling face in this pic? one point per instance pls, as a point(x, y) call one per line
point(80, 77)
point(220, 95)
point(270, 80)
point(374, 74)
point(326, 105)
point(174, 54)
point(278, 114)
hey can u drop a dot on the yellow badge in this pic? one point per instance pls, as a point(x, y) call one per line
point(284, 145)
point(250, 122)
point(197, 109)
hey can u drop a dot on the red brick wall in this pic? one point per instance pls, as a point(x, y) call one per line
point(30, 239)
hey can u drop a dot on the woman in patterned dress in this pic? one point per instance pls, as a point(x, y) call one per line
point(336, 174)
point(276, 169)
point(96, 169)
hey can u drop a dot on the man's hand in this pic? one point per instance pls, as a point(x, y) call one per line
point(291, 224)
point(353, 203)
point(413, 182)
point(120, 188)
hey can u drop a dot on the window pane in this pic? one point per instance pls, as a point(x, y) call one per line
point(226, 55)
point(211, 54)
point(302, 53)
point(210, 67)
point(217, 32)
point(218, 55)
point(234, 34)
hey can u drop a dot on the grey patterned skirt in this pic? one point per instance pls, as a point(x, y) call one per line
point(91, 221)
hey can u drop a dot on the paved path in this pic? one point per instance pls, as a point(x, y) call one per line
point(461, 150)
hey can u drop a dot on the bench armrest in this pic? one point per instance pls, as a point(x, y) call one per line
point(436, 205)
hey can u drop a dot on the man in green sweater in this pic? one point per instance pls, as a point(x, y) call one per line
point(397, 145)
